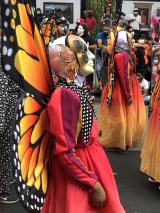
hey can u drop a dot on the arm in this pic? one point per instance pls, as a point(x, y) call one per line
point(121, 63)
point(145, 92)
point(92, 43)
point(146, 87)
point(100, 45)
point(85, 13)
point(65, 125)
point(102, 20)
point(93, 46)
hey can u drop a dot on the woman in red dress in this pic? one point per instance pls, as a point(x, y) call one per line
point(122, 115)
point(81, 178)
point(150, 156)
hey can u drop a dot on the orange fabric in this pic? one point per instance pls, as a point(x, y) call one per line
point(146, 51)
point(121, 124)
point(150, 156)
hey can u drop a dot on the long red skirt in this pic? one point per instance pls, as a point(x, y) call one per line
point(121, 124)
point(150, 154)
point(65, 195)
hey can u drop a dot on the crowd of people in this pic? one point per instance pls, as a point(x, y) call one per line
point(61, 113)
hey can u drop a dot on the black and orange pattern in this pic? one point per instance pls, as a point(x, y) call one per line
point(25, 60)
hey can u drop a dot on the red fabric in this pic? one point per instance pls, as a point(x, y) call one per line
point(150, 157)
point(80, 21)
point(91, 22)
point(121, 124)
point(154, 20)
point(121, 65)
point(66, 194)
point(64, 132)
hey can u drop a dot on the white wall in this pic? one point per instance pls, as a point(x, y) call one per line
point(76, 8)
point(128, 6)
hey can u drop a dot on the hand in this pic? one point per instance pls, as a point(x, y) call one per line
point(98, 196)
point(129, 101)
point(100, 87)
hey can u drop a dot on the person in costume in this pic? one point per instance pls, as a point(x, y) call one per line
point(81, 176)
point(58, 164)
point(150, 156)
point(83, 32)
point(122, 114)
point(9, 95)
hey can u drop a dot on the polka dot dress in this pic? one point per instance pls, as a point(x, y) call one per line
point(87, 107)
point(9, 95)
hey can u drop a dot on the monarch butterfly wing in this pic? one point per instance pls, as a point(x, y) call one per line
point(25, 61)
point(32, 149)
point(48, 29)
point(24, 55)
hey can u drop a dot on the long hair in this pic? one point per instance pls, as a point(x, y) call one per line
point(85, 27)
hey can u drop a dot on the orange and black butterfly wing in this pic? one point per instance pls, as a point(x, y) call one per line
point(24, 54)
point(31, 153)
point(24, 59)
point(49, 30)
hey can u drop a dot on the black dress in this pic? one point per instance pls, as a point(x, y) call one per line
point(9, 95)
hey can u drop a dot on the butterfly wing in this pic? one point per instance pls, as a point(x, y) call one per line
point(49, 29)
point(32, 150)
point(25, 60)
point(24, 54)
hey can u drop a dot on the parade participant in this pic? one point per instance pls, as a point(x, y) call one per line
point(83, 32)
point(150, 156)
point(56, 155)
point(9, 95)
point(77, 153)
point(122, 115)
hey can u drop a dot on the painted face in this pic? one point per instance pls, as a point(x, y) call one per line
point(80, 30)
point(84, 56)
point(68, 55)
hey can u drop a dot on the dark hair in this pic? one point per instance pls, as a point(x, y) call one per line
point(39, 9)
point(105, 25)
point(142, 36)
point(85, 27)
point(58, 10)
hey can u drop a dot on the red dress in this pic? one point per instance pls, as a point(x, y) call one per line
point(76, 165)
point(121, 124)
point(150, 154)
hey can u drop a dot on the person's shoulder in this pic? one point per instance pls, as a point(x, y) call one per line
point(145, 82)
point(99, 34)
